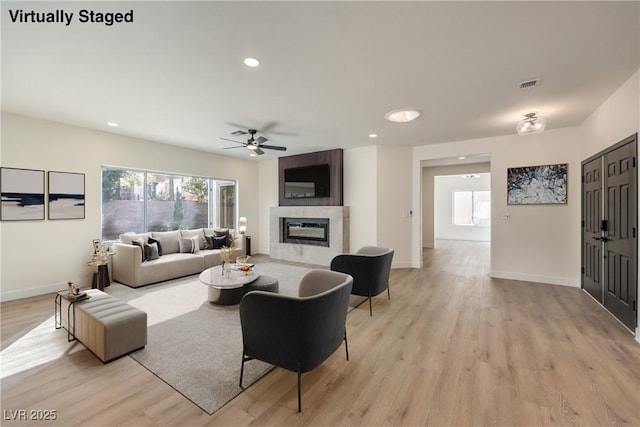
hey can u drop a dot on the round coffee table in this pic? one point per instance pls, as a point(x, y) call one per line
point(226, 290)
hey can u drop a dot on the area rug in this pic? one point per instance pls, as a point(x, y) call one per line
point(195, 346)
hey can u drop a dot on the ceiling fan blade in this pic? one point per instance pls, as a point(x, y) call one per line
point(238, 125)
point(230, 148)
point(238, 142)
point(268, 126)
point(274, 147)
point(239, 132)
point(261, 139)
point(258, 151)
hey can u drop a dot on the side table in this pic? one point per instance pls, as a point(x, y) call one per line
point(100, 279)
point(71, 314)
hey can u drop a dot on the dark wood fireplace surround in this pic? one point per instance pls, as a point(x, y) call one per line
point(333, 158)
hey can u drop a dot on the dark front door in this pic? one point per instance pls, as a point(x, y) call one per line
point(619, 244)
point(592, 221)
point(609, 236)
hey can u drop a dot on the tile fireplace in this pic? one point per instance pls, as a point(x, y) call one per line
point(310, 234)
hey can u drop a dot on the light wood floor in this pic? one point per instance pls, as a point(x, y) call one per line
point(453, 347)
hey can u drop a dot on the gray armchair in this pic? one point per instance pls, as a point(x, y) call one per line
point(297, 333)
point(369, 267)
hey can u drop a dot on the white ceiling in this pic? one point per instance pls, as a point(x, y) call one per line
point(330, 70)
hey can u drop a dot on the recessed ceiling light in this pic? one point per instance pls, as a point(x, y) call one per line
point(461, 158)
point(253, 154)
point(402, 116)
point(112, 124)
point(251, 62)
point(373, 135)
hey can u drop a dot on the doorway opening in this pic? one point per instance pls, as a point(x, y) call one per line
point(462, 207)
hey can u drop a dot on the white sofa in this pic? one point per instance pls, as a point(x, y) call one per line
point(129, 268)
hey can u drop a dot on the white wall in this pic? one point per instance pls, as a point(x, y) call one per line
point(41, 256)
point(617, 118)
point(428, 204)
point(539, 243)
point(395, 209)
point(360, 186)
point(267, 197)
point(445, 186)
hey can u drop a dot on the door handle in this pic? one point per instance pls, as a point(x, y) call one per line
point(602, 239)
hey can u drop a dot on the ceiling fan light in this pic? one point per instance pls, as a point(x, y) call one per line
point(530, 124)
point(252, 147)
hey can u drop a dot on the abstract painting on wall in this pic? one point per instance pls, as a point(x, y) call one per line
point(22, 194)
point(66, 195)
point(537, 185)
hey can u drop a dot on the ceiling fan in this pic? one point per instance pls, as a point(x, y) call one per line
point(253, 143)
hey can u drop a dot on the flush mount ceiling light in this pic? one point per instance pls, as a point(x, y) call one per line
point(402, 116)
point(373, 135)
point(112, 124)
point(251, 62)
point(530, 124)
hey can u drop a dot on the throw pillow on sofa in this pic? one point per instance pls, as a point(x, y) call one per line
point(197, 232)
point(158, 243)
point(189, 245)
point(151, 251)
point(140, 243)
point(219, 232)
point(214, 242)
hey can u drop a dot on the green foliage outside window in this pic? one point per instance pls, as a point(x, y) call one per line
point(197, 187)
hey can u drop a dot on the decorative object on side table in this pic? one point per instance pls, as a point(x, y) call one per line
point(227, 253)
point(72, 296)
point(243, 259)
point(242, 225)
point(100, 259)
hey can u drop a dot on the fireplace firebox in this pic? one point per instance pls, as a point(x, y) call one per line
point(306, 231)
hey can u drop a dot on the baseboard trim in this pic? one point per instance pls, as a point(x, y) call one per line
point(401, 265)
point(42, 290)
point(637, 334)
point(563, 281)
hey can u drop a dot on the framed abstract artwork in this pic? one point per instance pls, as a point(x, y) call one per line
point(22, 194)
point(537, 185)
point(66, 195)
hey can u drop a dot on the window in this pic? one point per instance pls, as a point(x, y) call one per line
point(150, 201)
point(472, 208)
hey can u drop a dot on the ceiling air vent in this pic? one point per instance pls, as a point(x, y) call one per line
point(529, 84)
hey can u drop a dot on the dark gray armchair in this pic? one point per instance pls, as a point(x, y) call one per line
point(369, 267)
point(297, 333)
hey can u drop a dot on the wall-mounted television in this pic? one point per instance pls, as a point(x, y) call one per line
point(311, 179)
point(307, 182)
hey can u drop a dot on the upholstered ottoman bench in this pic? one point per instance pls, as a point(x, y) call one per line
point(108, 327)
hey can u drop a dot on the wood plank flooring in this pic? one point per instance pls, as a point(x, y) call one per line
point(453, 347)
